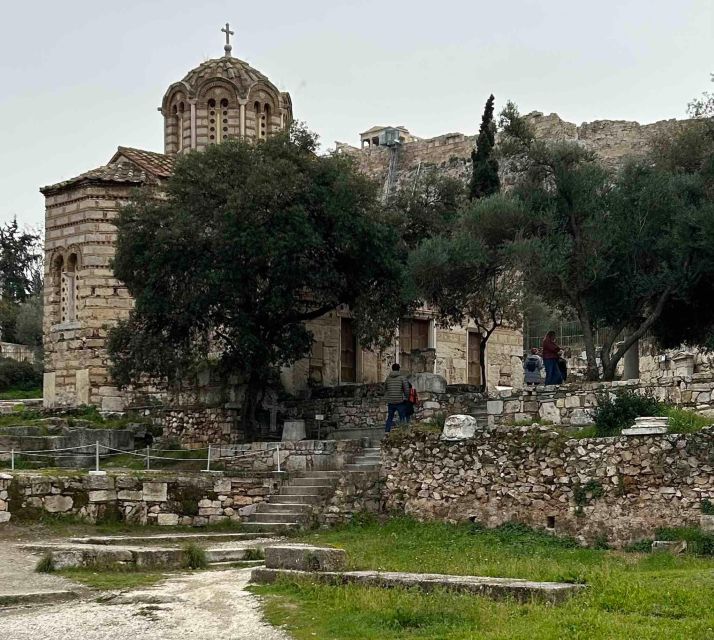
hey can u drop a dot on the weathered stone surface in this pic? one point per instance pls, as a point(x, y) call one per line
point(102, 496)
point(293, 430)
point(305, 558)
point(58, 504)
point(130, 495)
point(428, 382)
point(644, 431)
point(459, 427)
point(495, 588)
point(4, 517)
point(167, 519)
point(670, 546)
point(154, 491)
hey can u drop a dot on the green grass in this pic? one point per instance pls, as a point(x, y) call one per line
point(21, 394)
point(685, 421)
point(629, 595)
point(114, 577)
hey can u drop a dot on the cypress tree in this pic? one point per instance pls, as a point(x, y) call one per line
point(484, 179)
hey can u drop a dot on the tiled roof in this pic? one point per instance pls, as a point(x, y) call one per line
point(122, 172)
point(158, 164)
point(127, 165)
point(233, 69)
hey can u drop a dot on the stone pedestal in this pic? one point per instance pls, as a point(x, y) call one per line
point(459, 427)
point(648, 426)
point(293, 430)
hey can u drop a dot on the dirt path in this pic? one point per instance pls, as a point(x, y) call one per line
point(211, 605)
point(17, 574)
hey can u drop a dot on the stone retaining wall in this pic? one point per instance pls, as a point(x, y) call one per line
point(615, 489)
point(304, 455)
point(197, 427)
point(139, 497)
point(356, 494)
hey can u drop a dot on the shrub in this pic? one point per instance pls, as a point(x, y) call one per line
point(707, 507)
point(18, 375)
point(195, 556)
point(613, 415)
point(46, 564)
point(698, 542)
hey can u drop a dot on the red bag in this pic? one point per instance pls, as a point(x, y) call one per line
point(413, 396)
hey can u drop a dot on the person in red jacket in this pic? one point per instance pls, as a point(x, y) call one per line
point(551, 354)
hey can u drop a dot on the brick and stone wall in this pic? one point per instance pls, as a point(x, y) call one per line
point(356, 494)
point(197, 427)
point(139, 497)
point(616, 489)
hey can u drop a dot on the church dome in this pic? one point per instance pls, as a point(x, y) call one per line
point(220, 99)
point(232, 70)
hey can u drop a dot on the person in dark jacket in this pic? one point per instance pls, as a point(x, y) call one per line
point(396, 391)
point(551, 355)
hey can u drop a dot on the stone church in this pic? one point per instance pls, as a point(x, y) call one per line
point(226, 98)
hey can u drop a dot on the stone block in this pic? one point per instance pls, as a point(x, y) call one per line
point(222, 485)
point(102, 496)
point(167, 519)
point(305, 558)
point(572, 402)
point(99, 482)
point(494, 407)
point(4, 517)
point(293, 430)
point(706, 523)
point(549, 412)
point(459, 427)
point(130, 495)
point(58, 504)
point(670, 546)
point(155, 491)
point(428, 383)
point(581, 417)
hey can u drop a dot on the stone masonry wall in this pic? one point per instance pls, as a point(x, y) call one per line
point(616, 489)
point(197, 427)
point(142, 498)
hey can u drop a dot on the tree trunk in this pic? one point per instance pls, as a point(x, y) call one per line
point(250, 401)
point(632, 362)
point(482, 359)
point(592, 372)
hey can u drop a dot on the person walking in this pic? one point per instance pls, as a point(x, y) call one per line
point(551, 354)
point(533, 368)
point(396, 391)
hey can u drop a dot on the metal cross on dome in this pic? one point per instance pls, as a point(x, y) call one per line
point(227, 47)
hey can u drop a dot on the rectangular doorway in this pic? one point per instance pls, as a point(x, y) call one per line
point(473, 360)
point(348, 351)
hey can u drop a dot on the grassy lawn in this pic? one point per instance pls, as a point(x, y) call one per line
point(629, 595)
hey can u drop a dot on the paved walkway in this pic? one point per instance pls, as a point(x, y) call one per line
point(17, 574)
point(210, 605)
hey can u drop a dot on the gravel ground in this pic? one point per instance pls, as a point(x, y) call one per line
point(211, 605)
point(17, 574)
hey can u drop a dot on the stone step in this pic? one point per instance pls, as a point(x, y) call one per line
point(313, 482)
point(236, 565)
point(237, 554)
point(279, 507)
point(323, 473)
point(307, 489)
point(170, 538)
point(272, 527)
point(284, 516)
point(304, 498)
point(361, 467)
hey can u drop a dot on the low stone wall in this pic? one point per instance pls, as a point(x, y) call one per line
point(303, 455)
point(574, 404)
point(197, 427)
point(139, 497)
point(615, 489)
point(356, 493)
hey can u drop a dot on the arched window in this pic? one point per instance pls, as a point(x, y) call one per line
point(224, 119)
point(179, 111)
point(68, 297)
point(259, 121)
point(266, 122)
point(57, 268)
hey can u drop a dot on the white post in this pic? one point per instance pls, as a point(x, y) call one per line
point(96, 456)
point(148, 463)
point(208, 460)
point(277, 449)
point(12, 460)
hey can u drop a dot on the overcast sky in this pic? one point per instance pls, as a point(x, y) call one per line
point(80, 77)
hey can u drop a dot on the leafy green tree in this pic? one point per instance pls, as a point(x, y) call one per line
point(484, 178)
point(616, 249)
point(249, 242)
point(28, 323)
point(425, 209)
point(20, 260)
point(467, 275)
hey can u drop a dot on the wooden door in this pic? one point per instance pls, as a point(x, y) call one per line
point(473, 361)
point(348, 351)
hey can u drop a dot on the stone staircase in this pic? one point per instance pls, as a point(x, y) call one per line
point(367, 461)
point(293, 507)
